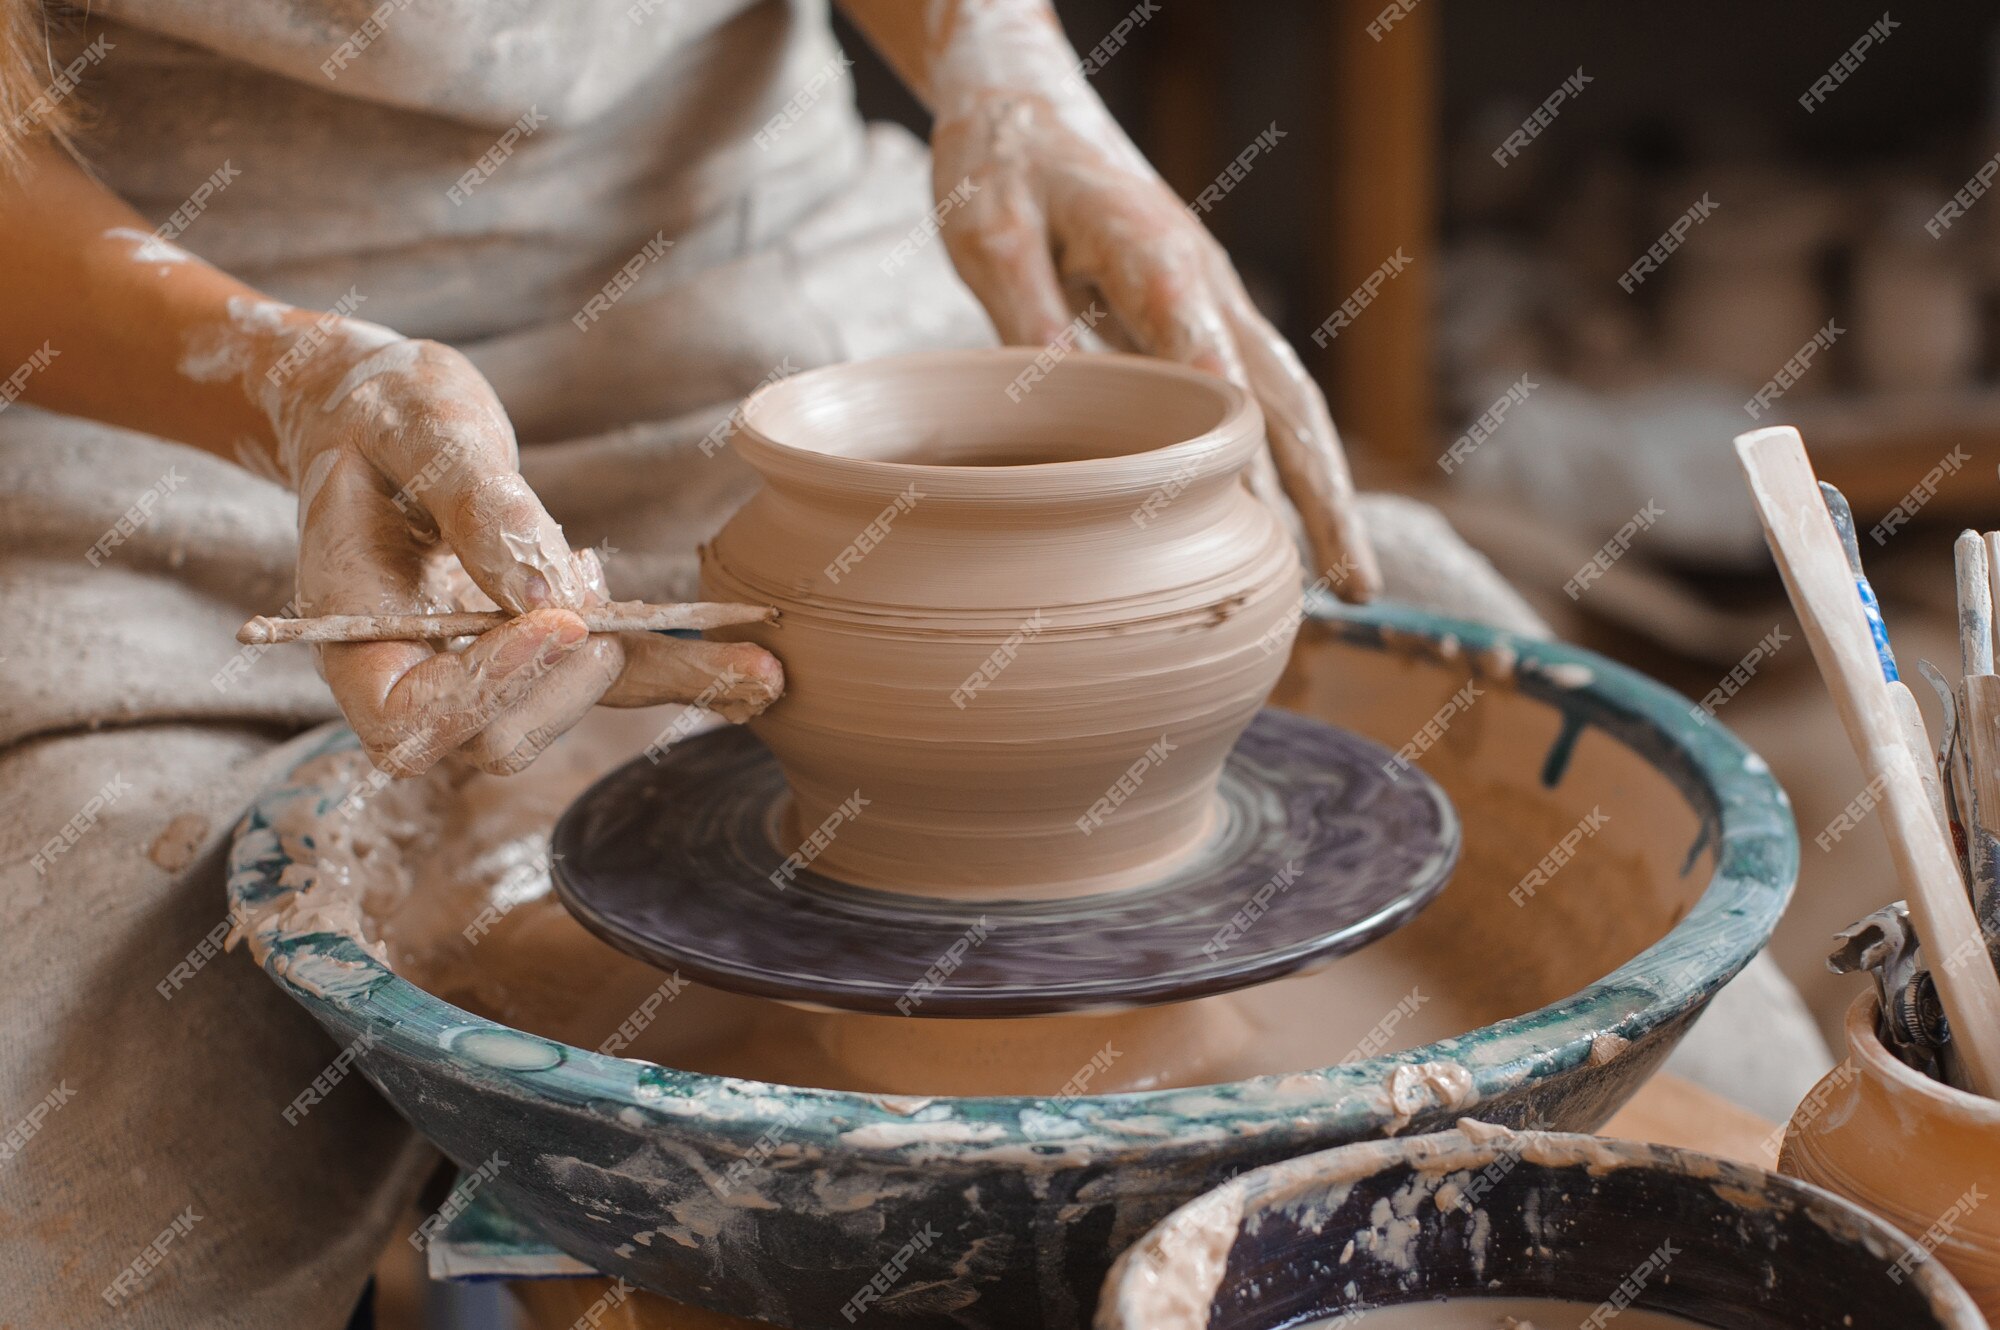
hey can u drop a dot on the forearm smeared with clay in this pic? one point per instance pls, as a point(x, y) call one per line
point(399, 452)
point(1055, 207)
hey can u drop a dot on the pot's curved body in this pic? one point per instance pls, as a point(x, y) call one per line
point(1921, 1154)
point(1020, 634)
point(1009, 1210)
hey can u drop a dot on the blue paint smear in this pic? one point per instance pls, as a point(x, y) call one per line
point(1871, 609)
point(1560, 752)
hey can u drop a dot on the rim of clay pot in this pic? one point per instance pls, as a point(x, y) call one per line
point(1865, 1043)
point(1745, 816)
point(1173, 1278)
point(1222, 431)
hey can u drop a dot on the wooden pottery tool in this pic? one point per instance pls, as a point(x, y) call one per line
point(1978, 747)
point(1947, 754)
point(1883, 946)
point(1992, 540)
point(1980, 735)
point(617, 616)
point(1809, 555)
point(1975, 604)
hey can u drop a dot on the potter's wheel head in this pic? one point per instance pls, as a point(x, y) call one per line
point(1323, 845)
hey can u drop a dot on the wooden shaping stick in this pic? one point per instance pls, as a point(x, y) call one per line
point(617, 616)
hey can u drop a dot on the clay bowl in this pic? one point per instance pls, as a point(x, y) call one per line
point(1448, 1219)
point(1572, 999)
point(1920, 1154)
point(999, 594)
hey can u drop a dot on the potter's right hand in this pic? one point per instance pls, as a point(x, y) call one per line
point(1048, 209)
point(402, 457)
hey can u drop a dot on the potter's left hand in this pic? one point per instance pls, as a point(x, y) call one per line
point(1049, 207)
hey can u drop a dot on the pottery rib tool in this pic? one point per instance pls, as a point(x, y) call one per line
point(1981, 737)
point(1992, 540)
point(1810, 557)
point(1979, 742)
point(617, 616)
point(1955, 801)
point(1973, 572)
point(1883, 945)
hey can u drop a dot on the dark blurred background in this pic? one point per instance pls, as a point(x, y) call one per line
point(1392, 136)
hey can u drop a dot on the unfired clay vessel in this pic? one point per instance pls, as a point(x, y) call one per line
point(1920, 1154)
point(1023, 619)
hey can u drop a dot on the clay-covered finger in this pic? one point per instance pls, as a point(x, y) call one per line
point(1154, 277)
point(1001, 251)
point(517, 735)
point(735, 680)
point(437, 705)
point(1307, 450)
point(490, 517)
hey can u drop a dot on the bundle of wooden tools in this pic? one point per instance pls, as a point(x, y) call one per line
point(1940, 805)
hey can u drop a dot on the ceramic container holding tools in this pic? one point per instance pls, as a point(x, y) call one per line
point(1922, 1155)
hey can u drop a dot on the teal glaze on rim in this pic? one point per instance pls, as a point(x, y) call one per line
point(1007, 1211)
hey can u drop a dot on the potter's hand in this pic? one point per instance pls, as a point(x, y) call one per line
point(1049, 209)
point(402, 457)
point(400, 453)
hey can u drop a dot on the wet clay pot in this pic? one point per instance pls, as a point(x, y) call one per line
point(1922, 1155)
point(1024, 614)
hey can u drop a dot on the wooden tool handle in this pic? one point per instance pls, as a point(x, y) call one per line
point(1910, 719)
point(1975, 604)
point(1809, 555)
point(618, 616)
